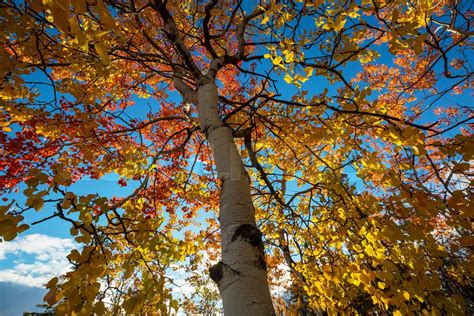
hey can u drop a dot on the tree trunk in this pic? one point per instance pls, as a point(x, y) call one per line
point(241, 276)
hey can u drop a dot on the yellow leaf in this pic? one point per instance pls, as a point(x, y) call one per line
point(341, 213)
point(395, 138)
point(99, 308)
point(357, 248)
point(290, 57)
point(277, 60)
point(353, 14)
point(356, 282)
point(99, 35)
point(105, 16)
point(265, 20)
point(52, 282)
point(406, 295)
point(52, 297)
point(79, 5)
point(339, 25)
point(82, 41)
point(74, 25)
point(415, 150)
point(288, 78)
point(370, 251)
point(102, 51)
point(38, 204)
point(381, 285)
point(60, 18)
point(397, 313)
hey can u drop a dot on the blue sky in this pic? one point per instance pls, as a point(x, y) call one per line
point(27, 263)
point(16, 299)
point(39, 254)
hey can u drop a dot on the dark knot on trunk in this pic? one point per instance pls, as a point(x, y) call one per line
point(248, 233)
point(252, 235)
point(216, 272)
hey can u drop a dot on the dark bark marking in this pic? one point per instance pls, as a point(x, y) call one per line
point(251, 234)
point(216, 272)
point(261, 262)
point(248, 233)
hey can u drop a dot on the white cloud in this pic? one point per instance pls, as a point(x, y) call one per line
point(46, 258)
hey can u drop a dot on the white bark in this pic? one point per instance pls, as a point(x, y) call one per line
point(241, 276)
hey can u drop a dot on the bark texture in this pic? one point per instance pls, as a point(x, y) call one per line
point(241, 275)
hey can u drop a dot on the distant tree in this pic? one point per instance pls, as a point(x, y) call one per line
point(47, 311)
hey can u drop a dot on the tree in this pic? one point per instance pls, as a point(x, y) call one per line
point(323, 136)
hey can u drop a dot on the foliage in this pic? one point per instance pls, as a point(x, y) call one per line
point(351, 117)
